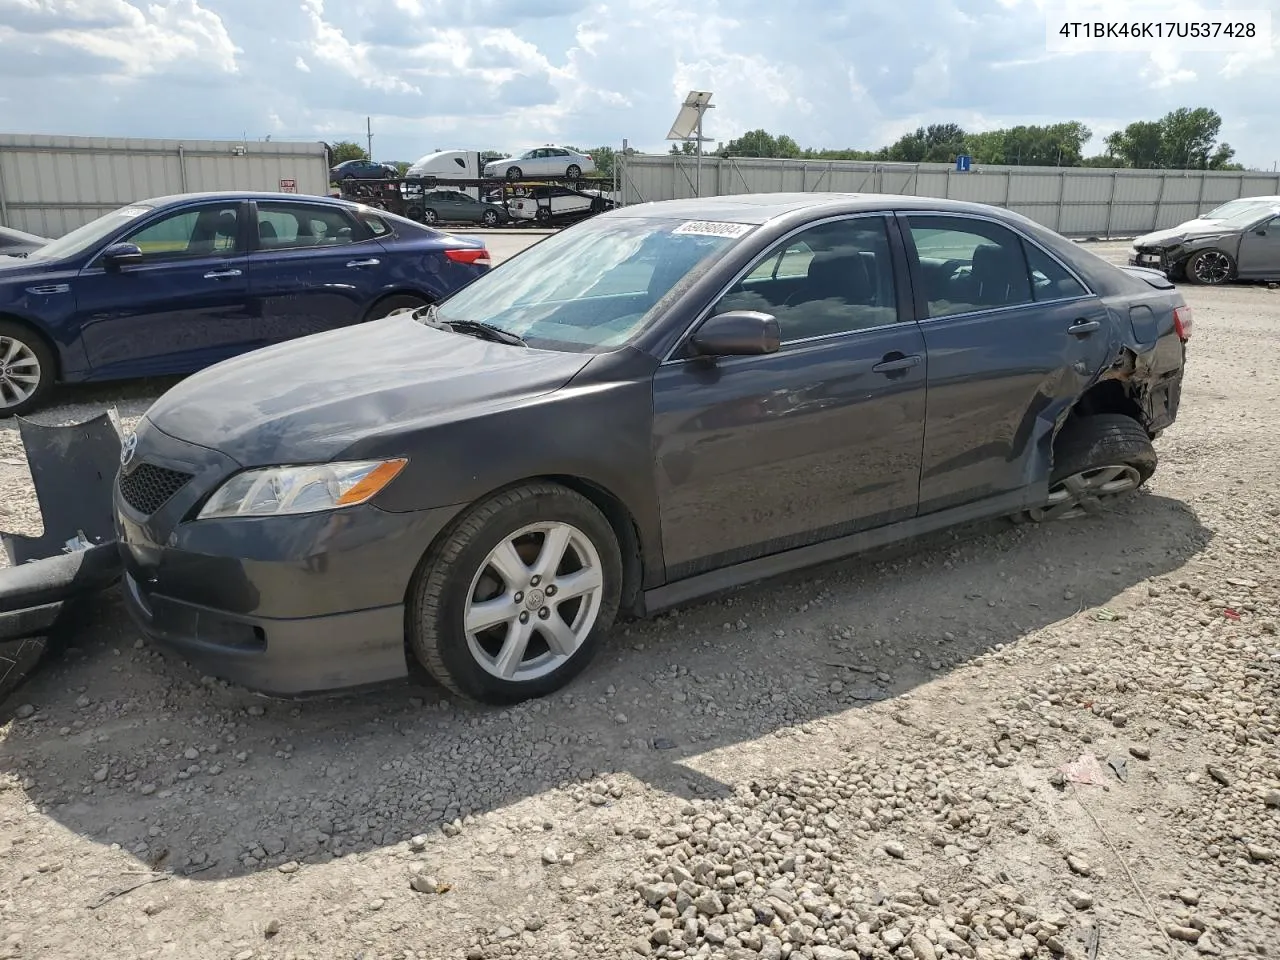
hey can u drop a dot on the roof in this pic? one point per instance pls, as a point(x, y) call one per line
point(763, 207)
point(236, 195)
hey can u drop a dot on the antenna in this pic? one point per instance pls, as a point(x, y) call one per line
point(688, 126)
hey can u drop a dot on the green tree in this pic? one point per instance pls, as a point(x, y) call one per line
point(605, 158)
point(1188, 137)
point(936, 143)
point(761, 143)
point(345, 150)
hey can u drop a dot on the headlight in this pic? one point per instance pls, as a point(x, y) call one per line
point(273, 491)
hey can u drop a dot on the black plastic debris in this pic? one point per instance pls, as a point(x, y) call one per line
point(72, 469)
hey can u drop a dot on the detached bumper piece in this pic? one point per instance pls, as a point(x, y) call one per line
point(72, 468)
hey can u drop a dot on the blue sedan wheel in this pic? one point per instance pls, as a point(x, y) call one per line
point(26, 369)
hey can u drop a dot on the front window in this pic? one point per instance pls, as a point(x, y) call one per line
point(597, 285)
point(1233, 208)
point(83, 238)
point(1247, 217)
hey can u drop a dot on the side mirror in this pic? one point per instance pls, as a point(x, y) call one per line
point(1261, 231)
point(738, 333)
point(120, 255)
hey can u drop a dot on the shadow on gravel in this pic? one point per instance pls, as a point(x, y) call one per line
point(189, 775)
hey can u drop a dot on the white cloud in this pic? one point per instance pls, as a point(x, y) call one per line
point(514, 73)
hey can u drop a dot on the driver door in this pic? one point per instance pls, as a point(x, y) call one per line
point(184, 307)
point(759, 454)
point(1260, 252)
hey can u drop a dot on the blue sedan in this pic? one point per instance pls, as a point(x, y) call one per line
point(175, 284)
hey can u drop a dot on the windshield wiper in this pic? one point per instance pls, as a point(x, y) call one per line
point(486, 330)
point(430, 315)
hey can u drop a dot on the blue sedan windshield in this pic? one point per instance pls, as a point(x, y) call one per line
point(595, 286)
point(82, 238)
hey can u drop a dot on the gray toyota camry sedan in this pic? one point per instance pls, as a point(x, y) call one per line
point(664, 401)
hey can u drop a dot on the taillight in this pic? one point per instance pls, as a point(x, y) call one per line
point(1182, 322)
point(480, 256)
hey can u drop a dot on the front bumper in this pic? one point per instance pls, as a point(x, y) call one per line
point(284, 605)
point(1151, 261)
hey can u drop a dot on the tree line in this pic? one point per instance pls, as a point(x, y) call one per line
point(1183, 139)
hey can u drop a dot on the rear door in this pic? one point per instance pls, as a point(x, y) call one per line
point(1012, 337)
point(185, 306)
point(312, 267)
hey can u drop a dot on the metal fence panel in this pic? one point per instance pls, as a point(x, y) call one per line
point(50, 185)
point(1076, 201)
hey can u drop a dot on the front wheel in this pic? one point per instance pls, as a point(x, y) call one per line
point(1097, 460)
point(514, 173)
point(517, 598)
point(26, 369)
point(430, 216)
point(1210, 267)
point(490, 218)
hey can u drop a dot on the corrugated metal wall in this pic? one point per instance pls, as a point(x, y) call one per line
point(50, 185)
point(1075, 201)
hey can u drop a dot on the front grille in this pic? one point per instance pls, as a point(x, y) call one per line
point(147, 487)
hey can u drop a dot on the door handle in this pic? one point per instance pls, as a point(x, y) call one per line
point(371, 262)
point(891, 364)
point(1082, 328)
point(221, 274)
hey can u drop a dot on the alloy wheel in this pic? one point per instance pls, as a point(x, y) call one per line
point(19, 372)
point(1212, 267)
point(534, 601)
point(1086, 492)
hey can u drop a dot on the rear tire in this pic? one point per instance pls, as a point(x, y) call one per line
point(490, 218)
point(23, 355)
point(574, 171)
point(430, 217)
point(516, 599)
point(1096, 460)
point(400, 301)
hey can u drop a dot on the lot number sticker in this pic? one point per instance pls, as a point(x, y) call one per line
point(712, 228)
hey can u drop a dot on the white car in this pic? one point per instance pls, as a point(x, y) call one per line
point(547, 202)
point(1216, 215)
point(549, 161)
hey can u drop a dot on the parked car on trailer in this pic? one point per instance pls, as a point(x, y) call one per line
point(660, 402)
point(547, 202)
point(454, 206)
point(548, 161)
point(362, 170)
point(1244, 246)
point(173, 284)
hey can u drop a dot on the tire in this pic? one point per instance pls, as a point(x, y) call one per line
point(574, 171)
point(490, 218)
point(460, 568)
point(400, 301)
point(18, 660)
point(514, 173)
point(413, 212)
point(23, 353)
point(543, 215)
point(1210, 268)
point(1096, 460)
point(430, 217)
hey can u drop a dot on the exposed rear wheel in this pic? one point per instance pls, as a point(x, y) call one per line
point(1097, 460)
point(26, 369)
point(517, 598)
point(399, 303)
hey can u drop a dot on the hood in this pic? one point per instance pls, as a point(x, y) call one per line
point(1191, 227)
point(307, 400)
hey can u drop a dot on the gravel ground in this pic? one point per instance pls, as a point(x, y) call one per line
point(862, 761)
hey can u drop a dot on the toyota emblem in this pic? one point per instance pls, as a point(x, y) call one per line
point(128, 448)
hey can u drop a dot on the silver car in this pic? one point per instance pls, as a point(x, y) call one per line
point(548, 161)
point(1244, 246)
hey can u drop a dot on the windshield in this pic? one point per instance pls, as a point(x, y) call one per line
point(1248, 216)
point(82, 238)
point(595, 286)
point(1234, 208)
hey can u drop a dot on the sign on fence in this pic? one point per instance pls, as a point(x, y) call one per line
point(289, 186)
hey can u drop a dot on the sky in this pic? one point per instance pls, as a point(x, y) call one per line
point(510, 74)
